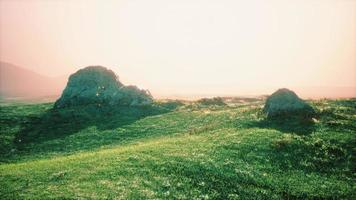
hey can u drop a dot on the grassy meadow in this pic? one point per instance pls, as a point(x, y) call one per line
point(177, 150)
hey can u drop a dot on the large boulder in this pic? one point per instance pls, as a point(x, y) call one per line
point(99, 85)
point(284, 103)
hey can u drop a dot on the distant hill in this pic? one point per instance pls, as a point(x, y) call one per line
point(18, 82)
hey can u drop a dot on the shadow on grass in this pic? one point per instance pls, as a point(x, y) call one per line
point(292, 125)
point(61, 123)
point(320, 153)
point(335, 115)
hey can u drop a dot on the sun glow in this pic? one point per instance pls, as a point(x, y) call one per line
point(190, 47)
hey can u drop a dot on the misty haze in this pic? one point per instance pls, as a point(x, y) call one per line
point(181, 99)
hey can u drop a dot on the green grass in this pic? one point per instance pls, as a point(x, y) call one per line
point(187, 152)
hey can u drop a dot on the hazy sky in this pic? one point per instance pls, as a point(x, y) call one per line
point(179, 47)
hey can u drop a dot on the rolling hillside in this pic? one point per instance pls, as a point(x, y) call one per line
point(188, 151)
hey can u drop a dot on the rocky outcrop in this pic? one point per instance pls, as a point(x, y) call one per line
point(286, 103)
point(99, 85)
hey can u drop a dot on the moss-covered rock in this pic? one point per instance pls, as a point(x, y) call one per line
point(99, 85)
point(285, 103)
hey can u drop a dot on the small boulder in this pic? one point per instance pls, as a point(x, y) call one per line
point(133, 96)
point(216, 101)
point(99, 85)
point(285, 103)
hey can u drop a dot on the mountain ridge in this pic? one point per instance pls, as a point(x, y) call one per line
point(17, 81)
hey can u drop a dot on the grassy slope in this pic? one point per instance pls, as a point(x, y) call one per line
point(226, 152)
